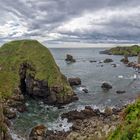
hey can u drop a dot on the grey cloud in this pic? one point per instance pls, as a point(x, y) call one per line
point(45, 16)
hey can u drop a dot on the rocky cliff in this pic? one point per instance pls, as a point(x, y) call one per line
point(29, 66)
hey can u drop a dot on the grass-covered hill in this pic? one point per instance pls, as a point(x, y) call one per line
point(129, 129)
point(14, 53)
point(133, 50)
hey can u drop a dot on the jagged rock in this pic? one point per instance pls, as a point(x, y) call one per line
point(74, 81)
point(108, 60)
point(38, 133)
point(106, 86)
point(69, 58)
point(85, 90)
point(125, 60)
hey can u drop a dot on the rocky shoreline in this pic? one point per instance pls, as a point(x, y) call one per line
point(88, 124)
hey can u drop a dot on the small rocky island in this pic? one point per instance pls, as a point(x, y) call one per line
point(133, 50)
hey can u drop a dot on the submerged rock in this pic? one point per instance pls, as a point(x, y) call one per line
point(106, 86)
point(120, 91)
point(74, 81)
point(30, 66)
point(69, 58)
point(92, 61)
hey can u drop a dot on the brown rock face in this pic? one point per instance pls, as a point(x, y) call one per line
point(4, 135)
point(38, 133)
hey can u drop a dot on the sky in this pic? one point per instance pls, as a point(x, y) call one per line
point(58, 22)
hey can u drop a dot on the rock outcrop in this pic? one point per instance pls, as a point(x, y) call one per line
point(108, 60)
point(29, 66)
point(106, 86)
point(74, 81)
point(69, 58)
point(125, 60)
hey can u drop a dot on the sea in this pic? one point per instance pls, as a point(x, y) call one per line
point(92, 76)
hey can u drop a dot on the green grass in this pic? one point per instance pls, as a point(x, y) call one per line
point(129, 129)
point(127, 50)
point(14, 53)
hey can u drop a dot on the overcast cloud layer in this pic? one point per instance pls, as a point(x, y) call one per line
point(56, 21)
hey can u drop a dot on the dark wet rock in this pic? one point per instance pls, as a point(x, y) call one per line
point(69, 58)
point(105, 52)
point(131, 64)
point(120, 91)
point(10, 114)
point(114, 65)
point(108, 60)
point(85, 90)
point(92, 61)
point(74, 81)
point(93, 124)
point(38, 133)
point(125, 59)
point(106, 86)
point(83, 114)
point(58, 135)
point(22, 108)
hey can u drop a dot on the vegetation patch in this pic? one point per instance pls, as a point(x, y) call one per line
point(129, 129)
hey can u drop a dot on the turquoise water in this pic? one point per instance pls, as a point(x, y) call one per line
point(92, 76)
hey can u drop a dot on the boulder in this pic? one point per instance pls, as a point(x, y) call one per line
point(108, 111)
point(69, 58)
point(106, 86)
point(38, 133)
point(108, 60)
point(114, 65)
point(85, 90)
point(74, 81)
point(131, 64)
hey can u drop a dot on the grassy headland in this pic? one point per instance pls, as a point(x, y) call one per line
point(14, 53)
point(133, 50)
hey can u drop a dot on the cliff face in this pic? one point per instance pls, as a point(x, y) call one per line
point(4, 134)
point(29, 65)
